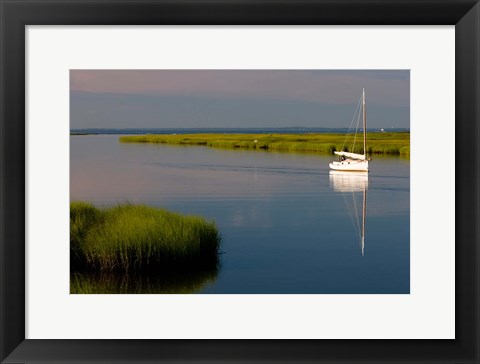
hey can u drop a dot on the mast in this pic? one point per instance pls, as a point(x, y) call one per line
point(364, 126)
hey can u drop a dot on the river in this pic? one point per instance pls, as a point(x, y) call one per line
point(287, 224)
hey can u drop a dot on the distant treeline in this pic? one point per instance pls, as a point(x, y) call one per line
point(284, 130)
point(387, 143)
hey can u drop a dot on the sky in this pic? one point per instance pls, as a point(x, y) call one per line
point(237, 98)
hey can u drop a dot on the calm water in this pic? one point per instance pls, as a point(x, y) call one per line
point(287, 224)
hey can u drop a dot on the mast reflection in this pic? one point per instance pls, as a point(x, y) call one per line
point(345, 182)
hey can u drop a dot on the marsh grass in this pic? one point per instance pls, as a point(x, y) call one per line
point(378, 143)
point(138, 238)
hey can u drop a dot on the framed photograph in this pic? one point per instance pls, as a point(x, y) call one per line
point(255, 181)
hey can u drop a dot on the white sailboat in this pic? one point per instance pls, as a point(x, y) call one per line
point(345, 182)
point(353, 161)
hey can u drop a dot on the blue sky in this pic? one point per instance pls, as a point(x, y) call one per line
point(236, 98)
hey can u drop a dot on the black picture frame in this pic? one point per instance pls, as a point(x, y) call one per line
point(16, 14)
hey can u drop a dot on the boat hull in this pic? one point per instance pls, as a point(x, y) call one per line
point(350, 165)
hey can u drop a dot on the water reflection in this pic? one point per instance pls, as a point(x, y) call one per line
point(173, 282)
point(354, 182)
point(285, 222)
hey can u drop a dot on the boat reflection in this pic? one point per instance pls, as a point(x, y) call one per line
point(346, 182)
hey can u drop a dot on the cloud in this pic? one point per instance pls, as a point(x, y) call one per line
point(110, 110)
point(383, 87)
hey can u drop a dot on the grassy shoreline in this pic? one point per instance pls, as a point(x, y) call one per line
point(393, 143)
point(137, 238)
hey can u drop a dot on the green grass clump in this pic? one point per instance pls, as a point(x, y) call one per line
point(138, 237)
point(397, 143)
point(83, 218)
